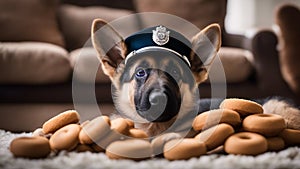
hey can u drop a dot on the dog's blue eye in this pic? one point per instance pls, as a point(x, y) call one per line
point(140, 73)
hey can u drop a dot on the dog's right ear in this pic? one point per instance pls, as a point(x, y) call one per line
point(109, 45)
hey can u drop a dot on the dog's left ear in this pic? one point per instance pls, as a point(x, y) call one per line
point(205, 46)
point(109, 45)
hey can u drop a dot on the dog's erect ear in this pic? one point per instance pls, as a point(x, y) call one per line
point(205, 46)
point(109, 45)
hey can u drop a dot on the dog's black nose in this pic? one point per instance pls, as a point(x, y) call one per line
point(162, 106)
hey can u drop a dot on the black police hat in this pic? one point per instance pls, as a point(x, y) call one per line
point(161, 38)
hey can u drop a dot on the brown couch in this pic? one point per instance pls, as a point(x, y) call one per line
point(42, 45)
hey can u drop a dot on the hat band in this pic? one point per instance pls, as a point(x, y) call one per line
point(150, 48)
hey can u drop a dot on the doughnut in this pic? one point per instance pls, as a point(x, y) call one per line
point(120, 125)
point(134, 149)
point(266, 124)
point(215, 136)
point(30, 147)
point(242, 106)
point(246, 143)
point(83, 148)
point(213, 117)
point(65, 138)
point(94, 130)
point(183, 149)
point(275, 143)
point(60, 120)
point(137, 133)
point(291, 136)
point(158, 143)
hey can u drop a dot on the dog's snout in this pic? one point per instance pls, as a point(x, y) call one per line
point(160, 101)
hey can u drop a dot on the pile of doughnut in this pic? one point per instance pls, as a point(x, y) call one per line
point(238, 127)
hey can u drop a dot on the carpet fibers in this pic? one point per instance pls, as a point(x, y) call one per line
point(288, 158)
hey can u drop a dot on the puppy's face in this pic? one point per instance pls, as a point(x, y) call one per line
point(154, 85)
point(154, 80)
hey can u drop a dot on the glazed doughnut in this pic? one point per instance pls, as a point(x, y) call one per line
point(275, 143)
point(182, 149)
point(246, 143)
point(120, 125)
point(65, 138)
point(291, 136)
point(242, 106)
point(266, 124)
point(137, 133)
point(134, 149)
point(215, 136)
point(60, 120)
point(158, 143)
point(213, 117)
point(94, 130)
point(30, 147)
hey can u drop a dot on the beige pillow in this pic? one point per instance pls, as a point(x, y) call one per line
point(87, 66)
point(237, 65)
point(76, 22)
point(33, 63)
point(29, 20)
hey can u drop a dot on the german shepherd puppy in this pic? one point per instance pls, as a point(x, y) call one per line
point(155, 75)
point(151, 85)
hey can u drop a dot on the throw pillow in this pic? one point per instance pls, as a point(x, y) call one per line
point(29, 20)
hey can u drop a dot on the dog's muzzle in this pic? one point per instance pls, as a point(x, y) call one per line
point(160, 105)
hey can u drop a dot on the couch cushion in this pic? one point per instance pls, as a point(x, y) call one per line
point(87, 66)
point(33, 63)
point(30, 20)
point(199, 12)
point(76, 22)
point(237, 64)
point(288, 20)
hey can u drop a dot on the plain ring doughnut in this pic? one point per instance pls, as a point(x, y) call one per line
point(30, 147)
point(213, 117)
point(215, 136)
point(266, 124)
point(242, 106)
point(291, 136)
point(183, 149)
point(65, 138)
point(60, 120)
point(246, 143)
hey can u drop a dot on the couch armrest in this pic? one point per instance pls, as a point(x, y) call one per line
point(263, 45)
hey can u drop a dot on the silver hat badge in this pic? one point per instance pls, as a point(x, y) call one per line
point(160, 35)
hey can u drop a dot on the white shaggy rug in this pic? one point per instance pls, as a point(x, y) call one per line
point(288, 158)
